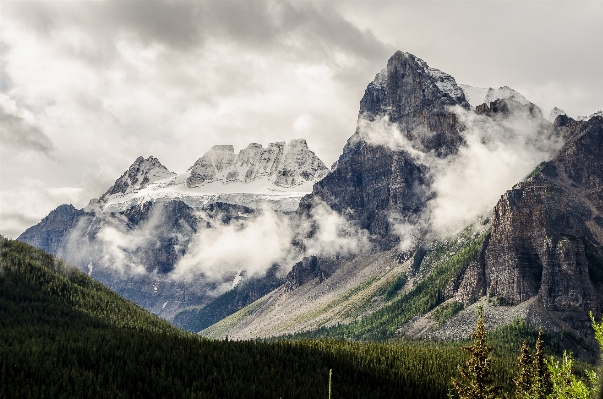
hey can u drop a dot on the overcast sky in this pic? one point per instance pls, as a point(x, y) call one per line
point(88, 86)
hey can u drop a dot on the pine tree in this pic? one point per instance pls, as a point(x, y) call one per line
point(541, 378)
point(476, 382)
point(523, 381)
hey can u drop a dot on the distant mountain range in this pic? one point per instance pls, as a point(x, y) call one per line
point(278, 176)
point(132, 237)
point(446, 197)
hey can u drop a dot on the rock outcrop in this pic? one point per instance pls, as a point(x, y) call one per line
point(138, 176)
point(547, 235)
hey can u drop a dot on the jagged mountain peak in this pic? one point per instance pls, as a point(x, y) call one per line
point(505, 92)
point(284, 165)
point(278, 175)
point(409, 84)
point(555, 112)
point(140, 174)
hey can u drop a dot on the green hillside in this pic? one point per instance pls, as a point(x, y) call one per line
point(38, 289)
point(62, 335)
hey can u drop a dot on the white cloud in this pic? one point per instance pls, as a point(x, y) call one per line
point(497, 154)
point(329, 234)
point(29, 203)
point(252, 247)
point(224, 250)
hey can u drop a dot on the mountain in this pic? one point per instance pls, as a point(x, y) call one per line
point(547, 235)
point(371, 181)
point(277, 176)
point(534, 254)
point(133, 237)
point(445, 198)
point(586, 118)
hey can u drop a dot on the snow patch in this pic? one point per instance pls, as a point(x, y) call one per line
point(479, 95)
point(279, 176)
point(445, 83)
point(585, 118)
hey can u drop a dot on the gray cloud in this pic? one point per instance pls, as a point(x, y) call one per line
point(314, 30)
point(111, 80)
point(18, 133)
point(12, 223)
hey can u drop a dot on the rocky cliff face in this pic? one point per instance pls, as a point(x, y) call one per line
point(547, 234)
point(542, 255)
point(372, 180)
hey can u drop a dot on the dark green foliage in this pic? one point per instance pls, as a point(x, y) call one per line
point(541, 379)
point(38, 288)
point(197, 320)
point(476, 378)
point(523, 381)
point(227, 303)
point(62, 335)
point(395, 287)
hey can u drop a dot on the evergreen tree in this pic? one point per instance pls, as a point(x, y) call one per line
point(523, 381)
point(541, 379)
point(476, 382)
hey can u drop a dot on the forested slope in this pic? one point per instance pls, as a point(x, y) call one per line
point(62, 335)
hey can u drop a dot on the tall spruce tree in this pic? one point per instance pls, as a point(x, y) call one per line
point(541, 378)
point(476, 381)
point(523, 380)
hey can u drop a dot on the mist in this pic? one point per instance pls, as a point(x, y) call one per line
point(229, 251)
point(497, 152)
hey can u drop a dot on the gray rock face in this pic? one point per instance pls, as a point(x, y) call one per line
point(52, 232)
point(415, 96)
point(546, 239)
point(373, 181)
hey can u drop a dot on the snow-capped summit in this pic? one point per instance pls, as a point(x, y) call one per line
point(479, 95)
point(277, 176)
point(280, 165)
point(585, 118)
point(138, 176)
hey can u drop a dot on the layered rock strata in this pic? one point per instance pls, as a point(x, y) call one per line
point(547, 236)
